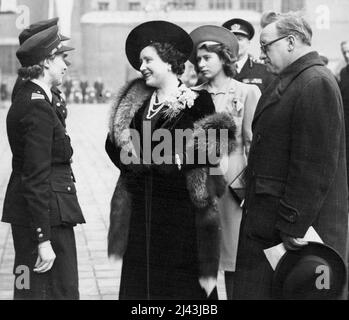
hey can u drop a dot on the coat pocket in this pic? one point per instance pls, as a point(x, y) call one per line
point(61, 149)
point(67, 202)
point(264, 207)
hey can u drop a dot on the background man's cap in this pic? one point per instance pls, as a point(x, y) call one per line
point(37, 27)
point(210, 33)
point(156, 31)
point(315, 272)
point(40, 46)
point(240, 26)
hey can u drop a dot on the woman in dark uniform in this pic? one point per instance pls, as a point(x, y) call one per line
point(41, 202)
point(164, 219)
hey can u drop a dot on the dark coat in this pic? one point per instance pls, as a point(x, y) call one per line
point(296, 174)
point(41, 192)
point(58, 101)
point(255, 73)
point(344, 86)
point(178, 206)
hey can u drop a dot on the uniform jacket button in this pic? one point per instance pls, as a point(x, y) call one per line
point(38, 230)
point(40, 235)
point(58, 104)
point(69, 188)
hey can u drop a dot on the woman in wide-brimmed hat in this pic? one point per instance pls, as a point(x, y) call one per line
point(164, 222)
point(214, 56)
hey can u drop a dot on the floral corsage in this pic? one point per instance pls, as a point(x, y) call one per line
point(183, 98)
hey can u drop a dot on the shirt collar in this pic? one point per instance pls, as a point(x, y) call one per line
point(44, 87)
point(228, 88)
point(241, 63)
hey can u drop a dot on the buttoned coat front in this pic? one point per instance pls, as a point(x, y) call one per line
point(41, 192)
point(296, 174)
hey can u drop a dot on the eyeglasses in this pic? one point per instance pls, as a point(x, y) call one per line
point(264, 47)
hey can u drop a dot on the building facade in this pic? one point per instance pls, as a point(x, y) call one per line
point(98, 28)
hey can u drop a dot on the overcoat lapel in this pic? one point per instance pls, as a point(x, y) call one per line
point(279, 86)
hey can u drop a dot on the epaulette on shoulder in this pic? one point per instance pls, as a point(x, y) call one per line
point(37, 96)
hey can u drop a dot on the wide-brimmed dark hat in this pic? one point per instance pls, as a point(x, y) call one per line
point(40, 46)
point(37, 27)
point(215, 34)
point(315, 272)
point(240, 26)
point(156, 31)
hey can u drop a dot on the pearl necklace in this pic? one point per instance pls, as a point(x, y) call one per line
point(154, 108)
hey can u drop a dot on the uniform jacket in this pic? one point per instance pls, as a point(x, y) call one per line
point(203, 189)
point(296, 176)
point(41, 191)
point(58, 101)
point(255, 73)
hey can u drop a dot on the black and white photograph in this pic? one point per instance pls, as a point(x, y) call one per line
point(187, 151)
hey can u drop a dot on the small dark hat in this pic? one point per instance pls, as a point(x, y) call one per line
point(40, 46)
point(156, 31)
point(297, 274)
point(240, 26)
point(37, 27)
point(215, 34)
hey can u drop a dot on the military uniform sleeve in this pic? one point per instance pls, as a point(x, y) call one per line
point(38, 126)
point(316, 132)
point(250, 107)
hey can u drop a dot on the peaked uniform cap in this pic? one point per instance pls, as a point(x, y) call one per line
point(37, 27)
point(240, 26)
point(40, 46)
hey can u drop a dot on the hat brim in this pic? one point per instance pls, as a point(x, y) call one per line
point(290, 258)
point(156, 31)
point(64, 49)
point(251, 32)
point(215, 34)
point(63, 38)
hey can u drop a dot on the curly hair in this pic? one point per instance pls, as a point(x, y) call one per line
point(34, 71)
point(225, 55)
point(169, 54)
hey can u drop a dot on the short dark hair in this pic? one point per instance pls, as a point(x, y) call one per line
point(35, 71)
point(169, 54)
point(225, 54)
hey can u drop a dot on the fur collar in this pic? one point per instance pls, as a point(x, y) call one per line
point(124, 108)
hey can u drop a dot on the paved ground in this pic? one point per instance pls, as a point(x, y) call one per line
point(96, 178)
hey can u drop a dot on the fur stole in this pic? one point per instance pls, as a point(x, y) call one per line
point(204, 189)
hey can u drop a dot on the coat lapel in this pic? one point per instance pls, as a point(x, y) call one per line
point(279, 86)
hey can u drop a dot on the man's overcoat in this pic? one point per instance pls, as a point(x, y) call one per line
point(296, 175)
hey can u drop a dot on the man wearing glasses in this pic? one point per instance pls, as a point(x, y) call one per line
point(296, 173)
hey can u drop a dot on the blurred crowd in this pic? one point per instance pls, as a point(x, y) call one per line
point(75, 91)
point(81, 91)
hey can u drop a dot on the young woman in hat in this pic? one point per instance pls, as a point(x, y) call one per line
point(41, 202)
point(215, 54)
point(164, 222)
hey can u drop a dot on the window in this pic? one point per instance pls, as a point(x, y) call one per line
point(292, 5)
point(103, 6)
point(134, 5)
point(220, 4)
point(181, 4)
point(253, 5)
point(8, 5)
